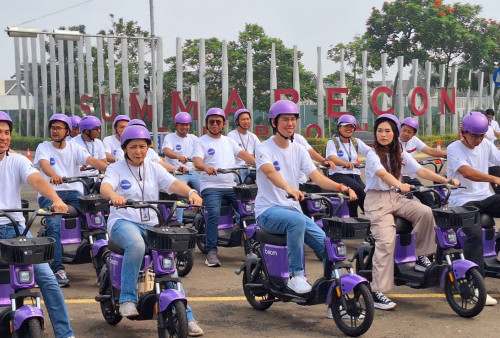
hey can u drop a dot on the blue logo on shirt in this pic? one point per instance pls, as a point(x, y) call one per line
point(125, 185)
point(114, 152)
point(52, 161)
point(211, 151)
point(340, 153)
point(276, 165)
point(178, 147)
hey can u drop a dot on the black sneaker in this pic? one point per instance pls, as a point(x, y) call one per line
point(62, 278)
point(380, 301)
point(422, 263)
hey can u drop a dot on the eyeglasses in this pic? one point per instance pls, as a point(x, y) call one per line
point(96, 128)
point(217, 122)
point(56, 128)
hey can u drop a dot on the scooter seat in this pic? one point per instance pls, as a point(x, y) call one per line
point(225, 202)
point(403, 226)
point(487, 222)
point(268, 238)
point(72, 211)
point(113, 247)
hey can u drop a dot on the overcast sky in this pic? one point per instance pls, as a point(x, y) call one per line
point(306, 23)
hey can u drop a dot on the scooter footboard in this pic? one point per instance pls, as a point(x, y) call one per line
point(168, 296)
point(347, 283)
point(25, 312)
point(460, 267)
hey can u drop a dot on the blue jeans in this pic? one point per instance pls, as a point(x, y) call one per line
point(53, 224)
point(298, 229)
point(212, 199)
point(193, 179)
point(131, 237)
point(51, 292)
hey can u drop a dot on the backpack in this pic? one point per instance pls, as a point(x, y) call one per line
point(353, 140)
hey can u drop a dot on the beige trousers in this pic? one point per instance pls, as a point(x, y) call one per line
point(380, 208)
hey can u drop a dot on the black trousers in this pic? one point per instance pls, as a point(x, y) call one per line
point(355, 183)
point(495, 171)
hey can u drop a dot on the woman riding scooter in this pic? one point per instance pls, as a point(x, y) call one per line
point(385, 165)
point(138, 179)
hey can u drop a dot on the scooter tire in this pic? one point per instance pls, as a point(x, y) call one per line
point(201, 238)
point(471, 281)
point(184, 262)
point(174, 319)
point(259, 301)
point(108, 310)
point(31, 328)
point(358, 317)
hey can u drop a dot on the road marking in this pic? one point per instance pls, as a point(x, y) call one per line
point(234, 299)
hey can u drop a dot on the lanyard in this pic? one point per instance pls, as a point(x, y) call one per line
point(242, 143)
point(86, 146)
point(143, 179)
point(348, 153)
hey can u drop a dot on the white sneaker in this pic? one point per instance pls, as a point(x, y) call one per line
point(299, 284)
point(194, 330)
point(128, 309)
point(490, 301)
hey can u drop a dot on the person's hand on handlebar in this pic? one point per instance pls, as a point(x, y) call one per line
point(56, 179)
point(183, 169)
point(60, 206)
point(329, 164)
point(297, 195)
point(211, 171)
point(352, 195)
point(404, 187)
point(195, 199)
point(183, 159)
point(117, 200)
point(454, 182)
point(348, 165)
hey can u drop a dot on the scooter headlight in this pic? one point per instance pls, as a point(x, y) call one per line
point(249, 207)
point(317, 204)
point(167, 263)
point(452, 237)
point(98, 220)
point(24, 276)
point(341, 250)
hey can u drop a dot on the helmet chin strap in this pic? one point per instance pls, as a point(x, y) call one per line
point(285, 137)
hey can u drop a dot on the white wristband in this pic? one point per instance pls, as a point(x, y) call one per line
point(191, 191)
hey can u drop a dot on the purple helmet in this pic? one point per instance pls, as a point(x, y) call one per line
point(410, 122)
point(216, 112)
point(89, 122)
point(475, 123)
point(182, 117)
point(75, 120)
point(389, 117)
point(283, 107)
point(347, 119)
point(136, 122)
point(4, 117)
point(239, 112)
point(135, 132)
point(120, 118)
point(60, 117)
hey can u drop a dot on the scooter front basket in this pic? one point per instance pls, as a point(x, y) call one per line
point(93, 203)
point(171, 239)
point(245, 192)
point(456, 217)
point(345, 228)
point(310, 187)
point(26, 251)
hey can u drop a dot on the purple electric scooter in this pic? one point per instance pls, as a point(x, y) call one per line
point(463, 285)
point(229, 234)
point(159, 288)
point(20, 311)
point(265, 274)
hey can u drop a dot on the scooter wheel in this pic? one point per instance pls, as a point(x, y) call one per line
point(468, 297)
point(259, 300)
point(31, 327)
point(184, 262)
point(173, 321)
point(357, 317)
point(201, 238)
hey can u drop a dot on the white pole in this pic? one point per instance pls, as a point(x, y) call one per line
point(384, 80)
point(178, 64)
point(202, 79)
point(34, 78)
point(81, 68)
point(17, 54)
point(100, 79)
point(250, 82)
point(53, 74)
point(342, 79)
point(273, 77)
point(142, 70)
point(43, 75)
point(320, 93)
point(454, 84)
point(296, 80)
point(364, 92)
point(159, 81)
point(225, 80)
point(428, 113)
point(399, 93)
point(111, 67)
point(467, 103)
point(442, 115)
point(480, 81)
point(62, 76)
point(26, 78)
point(153, 77)
point(71, 76)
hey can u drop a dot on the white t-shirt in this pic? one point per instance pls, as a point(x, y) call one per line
point(65, 162)
point(302, 141)
point(14, 170)
point(477, 158)
point(373, 182)
point(113, 146)
point(219, 153)
point(181, 146)
point(290, 163)
point(127, 182)
point(413, 145)
point(490, 134)
point(247, 142)
point(348, 153)
point(94, 148)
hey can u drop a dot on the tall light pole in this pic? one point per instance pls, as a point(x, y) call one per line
point(152, 94)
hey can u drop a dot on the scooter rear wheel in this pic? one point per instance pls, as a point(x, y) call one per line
point(31, 328)
point(469, 299)
point(358, 315)
point(109, 312)
point(260, 300)
point(201, 238)
point(174, 319)
point(184, 262)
